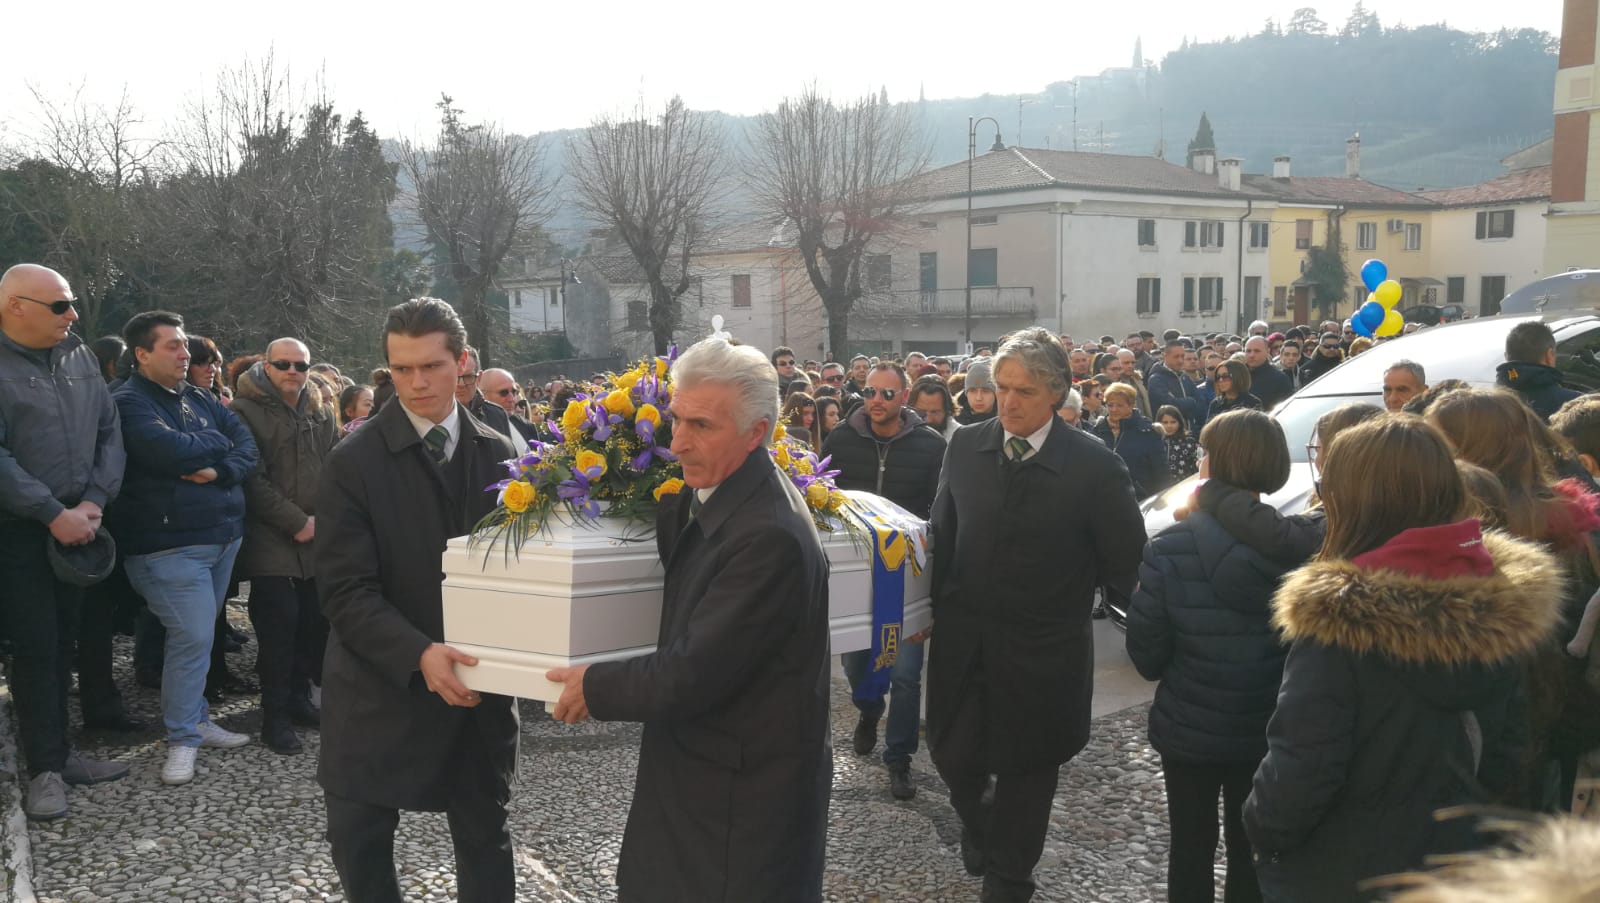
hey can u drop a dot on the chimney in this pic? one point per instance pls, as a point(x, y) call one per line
point(1228, 173)
point(1352, 157)
point(1205, 161)
point(1280, 167)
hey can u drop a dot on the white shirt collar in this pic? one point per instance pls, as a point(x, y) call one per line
point(451, 424)
point(1036, 440)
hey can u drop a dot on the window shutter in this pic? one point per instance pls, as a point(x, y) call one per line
point(1483, 224)
point(1188, 234)
point(1511, 220)
point(1221, 228)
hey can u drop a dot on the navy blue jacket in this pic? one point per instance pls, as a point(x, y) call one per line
point(1166, 387)
point(1142, 449)
point(1539, 386)
point(168, 434)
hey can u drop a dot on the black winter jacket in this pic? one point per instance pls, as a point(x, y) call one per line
point(1269, 384)
point(1200, 623)
point(1539, 386)
point(1317, 364)
point(1142, 449)
point(1370, 734)
point(1166, 387)
point(903, 469)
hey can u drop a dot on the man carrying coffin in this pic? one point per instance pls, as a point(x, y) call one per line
point(731, 799)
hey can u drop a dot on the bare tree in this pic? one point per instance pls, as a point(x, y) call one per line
point(480, 194)
point(652, 179)
point(842, 174)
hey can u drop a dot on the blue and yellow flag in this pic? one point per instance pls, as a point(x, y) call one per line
point(893, 555)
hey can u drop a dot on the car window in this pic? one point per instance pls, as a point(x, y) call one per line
point(1298, 416)
point(1578, 357)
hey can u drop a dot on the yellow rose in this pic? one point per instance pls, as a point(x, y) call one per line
point(650, 413)
point(836, 500)
point(587, 459)
point(661, 368)
point(627, 380)
point(817, 495)
point(572, 418)
point(783, 458)
point(518, 496)
point(779, 433)
point(618, 402)
point(670, 487)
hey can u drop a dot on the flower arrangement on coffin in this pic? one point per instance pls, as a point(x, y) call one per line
point(612, 458)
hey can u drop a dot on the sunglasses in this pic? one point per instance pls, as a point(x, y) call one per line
point(504, 392)
point(1223, 374)
point(467, 379)
point(56, 307)
point(836, 378)
point(786, 363)
point(301, 366)
point(870, 393)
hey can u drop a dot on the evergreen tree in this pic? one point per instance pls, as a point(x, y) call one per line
point(1203, 139)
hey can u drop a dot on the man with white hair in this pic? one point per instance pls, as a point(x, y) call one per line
point(735, 768)
point(1257, 328)
point(1266, 381)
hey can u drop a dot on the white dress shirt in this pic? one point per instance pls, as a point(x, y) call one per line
point(451, 424)
point(1036, 441)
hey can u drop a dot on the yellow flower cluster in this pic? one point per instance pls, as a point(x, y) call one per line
point(784, 459)
point(519, 495)
point(587, 459)
point(618, 402)
point(779, 433)
point(836, 500)
point(669, 487)
point(572, 418)
point(650, 413)
point(627, 381)
point(817, 495)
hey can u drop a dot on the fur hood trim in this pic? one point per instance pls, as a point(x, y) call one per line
point(1551, 861)
point(1465, 619)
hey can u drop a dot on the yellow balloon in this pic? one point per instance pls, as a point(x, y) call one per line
point(1392, 324)
point(1388, 293)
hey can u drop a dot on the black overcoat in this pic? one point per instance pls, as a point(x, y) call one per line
point(1018, 551)
point(384, 513)
point(735, 767)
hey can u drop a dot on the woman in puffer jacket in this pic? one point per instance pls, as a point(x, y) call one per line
point(1200, 622)
point(1410, 621)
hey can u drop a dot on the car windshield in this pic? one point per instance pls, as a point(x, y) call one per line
point(1298, 417)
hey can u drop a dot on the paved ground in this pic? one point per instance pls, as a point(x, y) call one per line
point(249, 828)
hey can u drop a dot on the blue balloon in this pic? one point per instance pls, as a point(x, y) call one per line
point(1373, 272)
point(1371, 315)
point(1360, 328)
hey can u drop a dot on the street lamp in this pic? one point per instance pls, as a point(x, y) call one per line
point(566, 277)
point(972, 153)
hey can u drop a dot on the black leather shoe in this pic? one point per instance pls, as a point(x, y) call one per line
point(278, 737)
point(237, 635)
point(971, 852)
point(117, 721)
point(303, 713)
point(866, 736)
point(230, 644)
point(149, 678)
point(900, 784)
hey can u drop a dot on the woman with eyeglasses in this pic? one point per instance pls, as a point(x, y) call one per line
point(205, 365)
point(1231, 383)
point(1183, 448)
point(1407, 633)
point(1200, 622)
point(1092, 391)
point(1135, 440)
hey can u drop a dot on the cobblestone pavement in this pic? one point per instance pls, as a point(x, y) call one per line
point(249, 828)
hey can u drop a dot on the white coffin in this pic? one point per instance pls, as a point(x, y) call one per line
point(578, 593)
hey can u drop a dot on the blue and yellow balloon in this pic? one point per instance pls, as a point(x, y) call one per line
point(1388, 294)
point(1373, 274)
point(1392, 324)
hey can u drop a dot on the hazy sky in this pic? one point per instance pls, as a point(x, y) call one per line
point(537, 65)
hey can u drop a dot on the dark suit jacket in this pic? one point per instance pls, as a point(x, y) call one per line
point(384, 513)
point(1018, 552)
point(490, 414)
point(735, 768)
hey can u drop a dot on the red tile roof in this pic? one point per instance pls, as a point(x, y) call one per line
point(1333, 190)
point(1020, 169)
point(1523, 185)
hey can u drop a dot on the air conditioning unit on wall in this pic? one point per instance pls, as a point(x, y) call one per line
point(1397, 225)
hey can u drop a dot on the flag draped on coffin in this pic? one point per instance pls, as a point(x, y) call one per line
point(899, 546)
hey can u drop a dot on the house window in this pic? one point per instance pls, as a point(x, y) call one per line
point(1149, 295)
point(878, 272)
point(741, 291)
point(1366, 236)
point(1302, 234)
point(555, 297)
point(989, 220)
point(1358, 295)
point(1413, 236)
point(1495, 223)
point(1147, 233)
point(928, 224)
point(1259, 233)
point(1188, 294)
point(928, 271)
point(1210, 293)
point(1491, 291)
point(638, 315)
point(1191, 234)
point(1211, 234)
point(516, 298)
point(1280, 301)
point(983, 267)
point(1455, 290)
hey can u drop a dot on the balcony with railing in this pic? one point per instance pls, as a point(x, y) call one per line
point(987, 301)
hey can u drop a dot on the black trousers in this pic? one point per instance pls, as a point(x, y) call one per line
point(1012, 829)
point(41, 619)
point(285, 614)
point(97, 693)
point(1192, 811)
point(362, 836)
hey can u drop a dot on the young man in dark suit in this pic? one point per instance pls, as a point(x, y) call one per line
point(399, 730)
point(735, 768)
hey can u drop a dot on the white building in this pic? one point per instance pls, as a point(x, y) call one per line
point(1489, 239)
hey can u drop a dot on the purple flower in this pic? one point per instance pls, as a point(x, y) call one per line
point(576, 491)
point(600, 421)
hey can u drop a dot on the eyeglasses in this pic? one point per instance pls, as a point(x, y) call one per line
point(870, 393)
point(467, 379)
point(504, 392)
point(301, 366)
point(56, 307)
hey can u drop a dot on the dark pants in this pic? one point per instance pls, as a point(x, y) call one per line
point(97, 692)
point(362, 836)
point(1012, 829)
point(1192, 811)
point(284, 612)
point(905, 699)
point(41, 616)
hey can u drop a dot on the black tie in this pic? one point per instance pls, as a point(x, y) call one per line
point(436, 439)
point(694, 504)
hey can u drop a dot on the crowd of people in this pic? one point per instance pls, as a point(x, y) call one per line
point(1419, 640)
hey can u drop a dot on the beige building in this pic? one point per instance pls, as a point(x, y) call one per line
point(1490, 239)
point(1573, 240)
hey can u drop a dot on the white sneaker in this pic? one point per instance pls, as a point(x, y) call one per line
point(316, 697)
point(217, 738)
point(180, 765)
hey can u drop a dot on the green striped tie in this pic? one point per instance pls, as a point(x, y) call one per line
point(1017, 447)
point(437, 438)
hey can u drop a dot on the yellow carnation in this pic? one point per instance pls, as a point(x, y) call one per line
point(587, 459)
point(650, 413)
point(817, 495)
point(572, 418)
point(670, 487)
point(518, 496)
point(618, 402)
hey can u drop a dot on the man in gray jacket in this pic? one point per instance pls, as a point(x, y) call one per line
point(60, 464)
